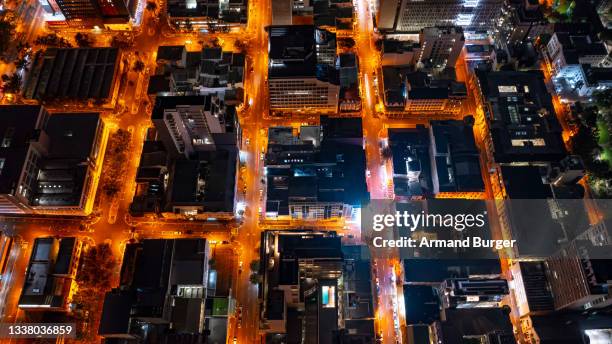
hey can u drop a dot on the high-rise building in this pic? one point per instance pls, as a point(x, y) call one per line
point(473, 293)
point(90, 13)
point(520, 116)
point(49, 163)
point(188, 162)
point(440, 46)
point(302, 76)
point(168, 290)
point(309, 176)
point(408, 16)
point(312, 282)
point(580, 276)
point(207, 15)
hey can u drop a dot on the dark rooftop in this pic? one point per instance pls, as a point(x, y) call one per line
point(74, 73)
point(523, 123)
point(170, 52)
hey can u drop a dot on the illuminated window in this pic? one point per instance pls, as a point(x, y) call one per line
point(328, 296)
point(506, 89)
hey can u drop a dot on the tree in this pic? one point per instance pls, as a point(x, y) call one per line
point(120, 43)
point(52, 40)
point(346, 42)
point(11, 83)
point(151, 6)
point(22, 63)
point(114, 162)
point(379, 44)
point(83, 40)
point(255, 278)
point(603, 100)
point(98, 264)
point(254, 265)
point(7, 30)
point(240, 45)
point(139, 66)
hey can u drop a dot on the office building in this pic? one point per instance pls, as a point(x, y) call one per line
point(113, 14)
point(167, 291)
point(79, 74)
point(411, 16)
point(531, 288)
point(310, 286)
point(440, 47)
point(480, 325)
point(302, 75)
point(411, 163)
point(396, 53)
point(434, 271)
point(520, 117)
point(580, 276)
point(576, 61)
point(577, 328)
point(334, 15)
point(50, 274)
point(422, 304)
point(209, 71)
point(188, 162)
point(407, 93)
point(49, 163)
point(436, 161)
point(522, 21)
point(207, 15)
point(556, 211)
point(349, 98)
point(604, 10)
point(455, 160)
point(318, 173)
point(473, 293)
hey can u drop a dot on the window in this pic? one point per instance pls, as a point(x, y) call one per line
point(8, 137)
point(328, 296)
point(2, 160)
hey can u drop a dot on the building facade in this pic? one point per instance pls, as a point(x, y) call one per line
point(411, 16)
point(303, 78)
point(50, 162)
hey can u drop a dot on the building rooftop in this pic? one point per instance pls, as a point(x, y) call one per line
point(73, 73)
point(463, 322)
point(172, 53)
point(422, 304)
point(154, 274)
point(521, 116)
point(18, 125)
point(574, 326)
point(299, 50)
point(48, 277)
point(333, 171)
point(457, 160)
point(67, 144)
point(411, 162)
point(423, 271)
